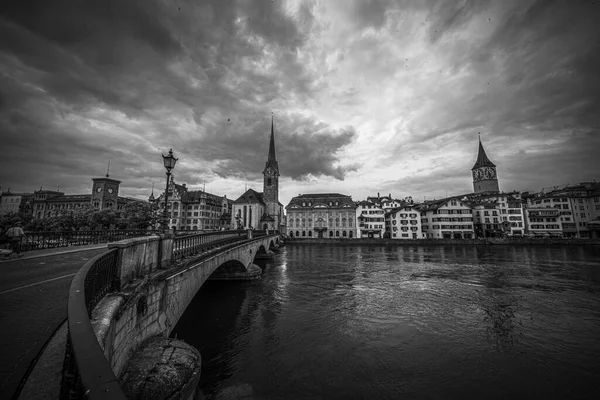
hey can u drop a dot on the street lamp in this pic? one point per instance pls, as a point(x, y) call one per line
point(169, 160)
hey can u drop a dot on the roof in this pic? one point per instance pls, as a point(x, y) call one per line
point(266, 217)
point(322, 199)
point(482, 158)
point(196, 195)
point(70, 197)
point(251, 196)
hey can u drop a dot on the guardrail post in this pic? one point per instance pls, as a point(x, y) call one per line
point(249, 233)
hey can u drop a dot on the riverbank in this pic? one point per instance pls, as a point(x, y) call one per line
point(438, 242)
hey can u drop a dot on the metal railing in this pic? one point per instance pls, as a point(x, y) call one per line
point(187, 245)
point(86, 371)
point(47, 240)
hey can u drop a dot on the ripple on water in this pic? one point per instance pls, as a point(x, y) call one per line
point(387, 322)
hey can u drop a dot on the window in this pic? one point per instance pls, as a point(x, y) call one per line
point(303, 233)
point(337, 233)
point(310, 233)
point(269, 182)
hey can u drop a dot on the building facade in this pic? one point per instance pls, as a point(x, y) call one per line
point(405, 222)
point(321, 215)
point(371, 219)
point(446, 219)
point(543, 221)
point(105, 195)
point(579, 206)
point(15, 202)
point(193, 210)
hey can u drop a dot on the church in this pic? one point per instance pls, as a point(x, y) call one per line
point(261, 210)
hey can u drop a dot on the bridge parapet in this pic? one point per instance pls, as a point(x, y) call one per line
point(93, 360)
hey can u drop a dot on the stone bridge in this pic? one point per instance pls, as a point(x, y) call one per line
point(123, 305)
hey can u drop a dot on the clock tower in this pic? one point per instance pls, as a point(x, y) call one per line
point(485, 178)
point(271, 184)
point(105, 193)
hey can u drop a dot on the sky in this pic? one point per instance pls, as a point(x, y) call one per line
point(367, 96)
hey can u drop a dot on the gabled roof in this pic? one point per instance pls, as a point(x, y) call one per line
point(266, 217)
point(482, 158)
point(251, 196)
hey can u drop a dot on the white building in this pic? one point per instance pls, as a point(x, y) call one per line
point(371, 220)
point(321, 215)
point(579, 205)
point(448, 218)
point(405, 223)
point(543, 221)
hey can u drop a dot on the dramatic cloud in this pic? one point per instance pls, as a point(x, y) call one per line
point(368, 96)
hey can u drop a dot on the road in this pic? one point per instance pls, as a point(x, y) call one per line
point(33, 302)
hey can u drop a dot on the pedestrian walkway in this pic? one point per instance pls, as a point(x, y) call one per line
point(52, 252)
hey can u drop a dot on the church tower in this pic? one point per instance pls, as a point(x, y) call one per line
point(485, 178)
point(271, 182)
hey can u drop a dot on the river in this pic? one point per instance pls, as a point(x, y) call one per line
point(392, 322)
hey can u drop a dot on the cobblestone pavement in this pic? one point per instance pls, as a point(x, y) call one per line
point(33, 303)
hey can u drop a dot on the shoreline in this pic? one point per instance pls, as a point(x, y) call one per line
point(440, 242)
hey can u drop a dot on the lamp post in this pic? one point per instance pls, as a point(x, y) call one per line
point(169, 160)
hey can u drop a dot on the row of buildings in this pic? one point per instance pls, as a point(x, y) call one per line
point(568, 211)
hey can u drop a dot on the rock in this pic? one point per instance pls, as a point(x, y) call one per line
point(160, 369)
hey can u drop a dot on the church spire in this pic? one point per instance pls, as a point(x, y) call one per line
point(272, 159)
point(272, 143)
point(152, 194)
point(482, 158)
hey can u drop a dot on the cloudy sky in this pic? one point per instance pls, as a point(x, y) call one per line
point(368, 96)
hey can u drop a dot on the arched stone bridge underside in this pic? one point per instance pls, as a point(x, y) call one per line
point(150, 304)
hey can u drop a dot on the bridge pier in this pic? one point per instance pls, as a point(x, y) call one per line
point(265, 256)
point(162, 368)
point(253, 272)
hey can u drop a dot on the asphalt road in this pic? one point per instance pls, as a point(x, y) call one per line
point(33, 303)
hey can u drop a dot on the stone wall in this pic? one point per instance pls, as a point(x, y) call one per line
point(152, 299)
point(441, 242)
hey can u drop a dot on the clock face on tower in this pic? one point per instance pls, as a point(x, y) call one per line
point(98, 189)
point(489, 173)
point(110, 190)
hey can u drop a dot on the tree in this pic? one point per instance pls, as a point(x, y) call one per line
point(137, 215)
point(105, 218)
point(9, 219)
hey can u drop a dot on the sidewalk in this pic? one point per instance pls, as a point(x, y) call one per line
point(51, 252)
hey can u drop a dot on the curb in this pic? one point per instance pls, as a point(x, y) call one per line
point(36, 383)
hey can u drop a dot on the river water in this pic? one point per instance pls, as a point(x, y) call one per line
point(392, 322)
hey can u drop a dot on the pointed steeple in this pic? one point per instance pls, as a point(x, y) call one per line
point(272, 143)
point(272, 159)
point(152, 194)
point(482, 158)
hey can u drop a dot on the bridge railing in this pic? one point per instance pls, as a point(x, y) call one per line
point(46, 240)
point(87, 373)
point(187, 245)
